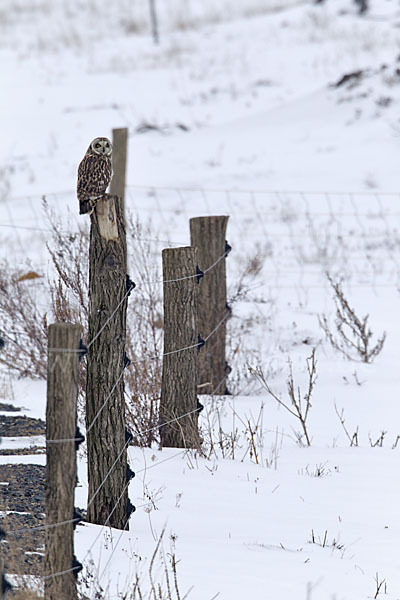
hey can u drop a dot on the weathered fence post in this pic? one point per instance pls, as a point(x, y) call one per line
point(120, 149)
point(207, 234)
point(179, 374)
point(5, 585)
point(105, 403)
point(154, 21)
point(62, 394)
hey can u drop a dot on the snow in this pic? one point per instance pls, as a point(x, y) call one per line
point(308, 172)
point(25, 459)
point(15, 443)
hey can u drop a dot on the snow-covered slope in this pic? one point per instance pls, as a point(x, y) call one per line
point(241, 110)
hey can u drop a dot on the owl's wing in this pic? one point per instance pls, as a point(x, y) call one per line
point(91, 176)
point(93, 179)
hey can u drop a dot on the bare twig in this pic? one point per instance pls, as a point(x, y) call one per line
point(379, 442)
point(353, 439)
point(380, 586)
point(296, 406)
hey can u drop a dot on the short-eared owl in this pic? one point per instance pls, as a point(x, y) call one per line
point(94, 174)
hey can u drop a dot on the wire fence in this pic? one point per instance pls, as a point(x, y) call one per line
point(144, 432)
point(106, 523)
point(389, 230)
point(363, 266)
point(257, 191)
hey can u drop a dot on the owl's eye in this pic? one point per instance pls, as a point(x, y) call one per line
point(97, 146)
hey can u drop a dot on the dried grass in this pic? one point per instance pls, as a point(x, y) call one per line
point(27, 307)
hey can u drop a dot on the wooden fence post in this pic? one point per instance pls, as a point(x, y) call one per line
point(154, 21)
point(5, 585)
point(179, 374)
point(207, 234)
point(62, 394)
point(120, 149)
point(105, 402)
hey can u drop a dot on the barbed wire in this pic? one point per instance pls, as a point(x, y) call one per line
point(198, 274)
point(195, 275)
point(45, 577)
point(257, 191)
point(350, 234)
point(154, 357)
point(364, 235)
point(145, 469)
point(29, 228)
point(91, 342)
point(185, 450)
point(40, 527)
point(53, 525)
point(105, 402)
point(94, 495)
point(141, 433)
point(69, 232)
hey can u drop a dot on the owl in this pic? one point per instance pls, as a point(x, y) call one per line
point(94, 174)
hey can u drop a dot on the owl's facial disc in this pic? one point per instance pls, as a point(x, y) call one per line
point(101, 146)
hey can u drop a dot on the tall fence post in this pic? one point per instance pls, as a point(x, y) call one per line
point(62, 394)
point(154, 21)
point(208, 234)
point(179, 373)
point(105, 402)
point(120, 149)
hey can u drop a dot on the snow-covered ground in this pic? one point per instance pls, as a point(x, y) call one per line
point(250, 117)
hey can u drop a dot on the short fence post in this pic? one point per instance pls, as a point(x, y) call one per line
point(5, 586)
point(179, 374)
point(62, 394)
point(207, 234)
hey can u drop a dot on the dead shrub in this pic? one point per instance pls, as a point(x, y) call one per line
point(23, 325)
point(353, 337)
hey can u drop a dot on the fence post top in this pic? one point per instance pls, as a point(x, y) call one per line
point(120, 130)
point(177, 249)
point(76, 326)
point(209, 217)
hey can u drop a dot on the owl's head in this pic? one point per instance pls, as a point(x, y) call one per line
point(101, 146)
